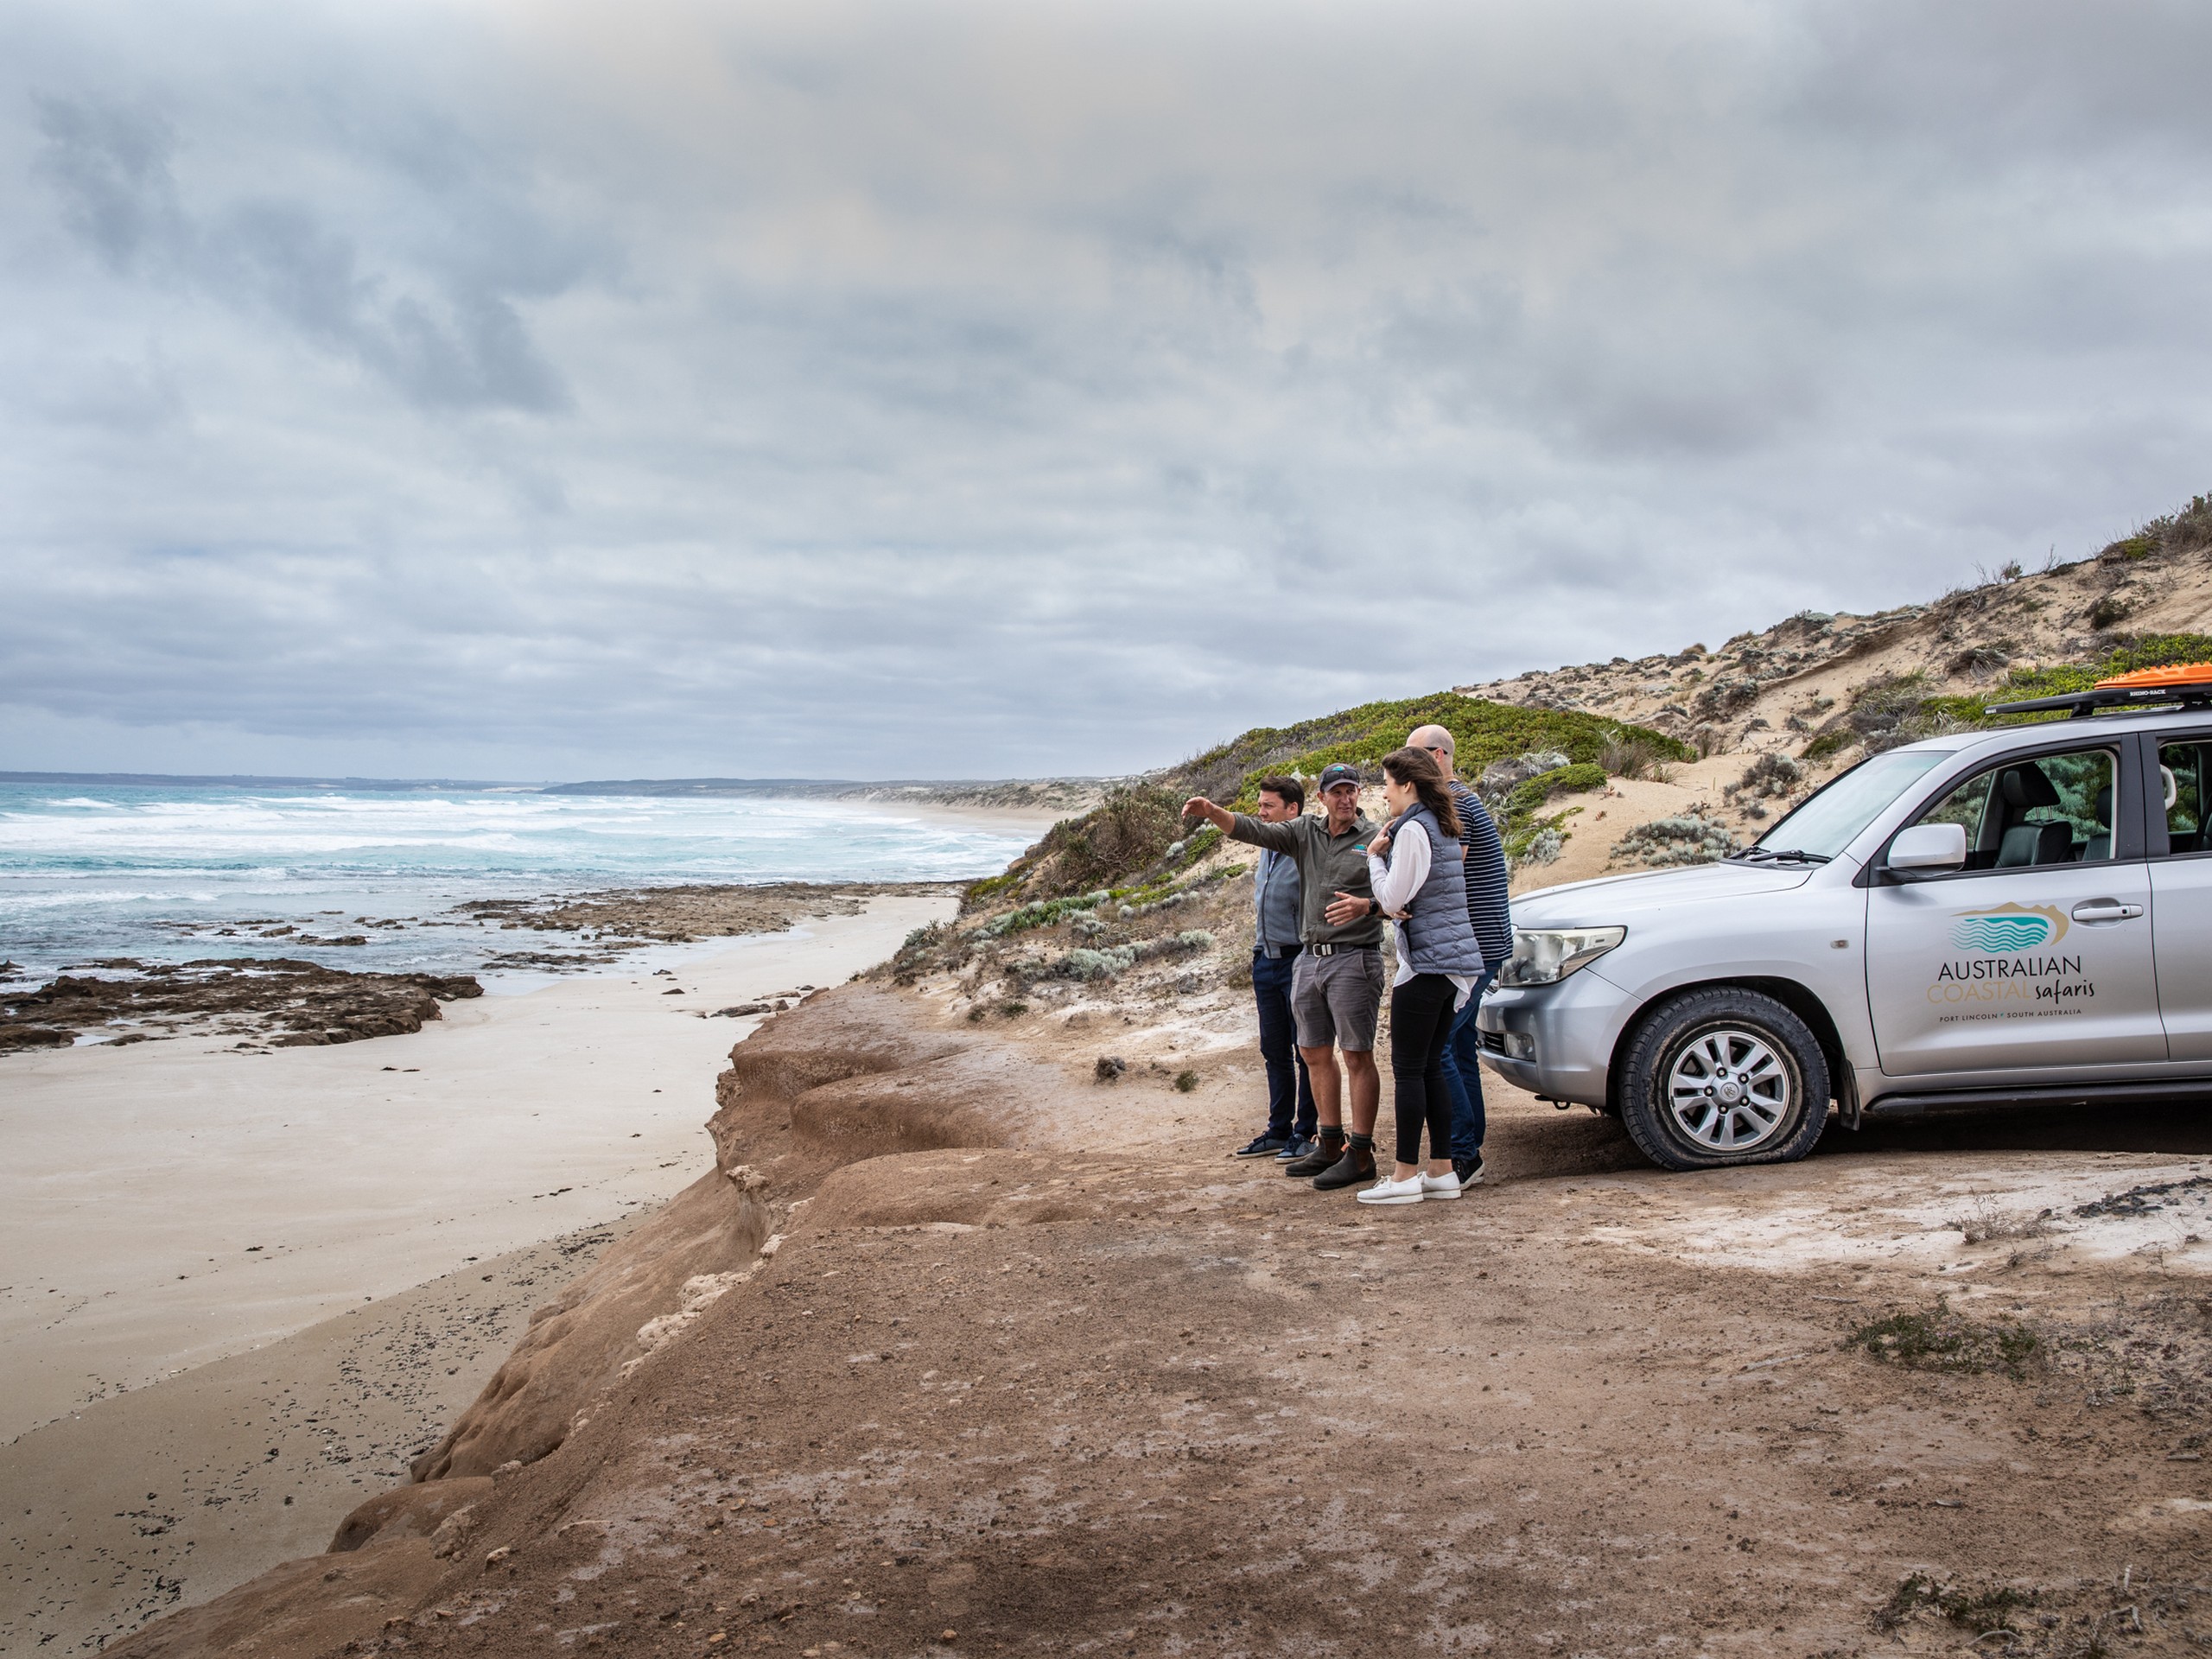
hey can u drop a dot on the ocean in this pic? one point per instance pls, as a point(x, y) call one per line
point(157, 872)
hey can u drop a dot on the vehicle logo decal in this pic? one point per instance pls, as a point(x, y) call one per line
point(2008, 928)
point(2005, 974)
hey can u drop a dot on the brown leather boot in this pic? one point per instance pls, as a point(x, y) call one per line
point(1328, 1146)
point(1357, 1165)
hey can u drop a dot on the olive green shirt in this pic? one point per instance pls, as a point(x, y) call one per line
point(1327, 865)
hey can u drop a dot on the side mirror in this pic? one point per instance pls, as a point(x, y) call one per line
point(1929, 847)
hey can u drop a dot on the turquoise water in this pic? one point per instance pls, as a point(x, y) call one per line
point(155, 872)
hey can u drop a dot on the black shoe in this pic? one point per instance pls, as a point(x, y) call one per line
point(1320, 1157)
point(1263, 1146)
point(1357, 1165)
point(1295, 1148)
point(1469, 1170)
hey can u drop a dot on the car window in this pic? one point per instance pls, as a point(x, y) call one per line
point(2054, 809)
point(2180, 775)
point(1832, 817)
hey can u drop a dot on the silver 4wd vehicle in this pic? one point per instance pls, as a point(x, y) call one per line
point(1985, 918)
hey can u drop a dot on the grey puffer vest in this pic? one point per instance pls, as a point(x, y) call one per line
point(1439, 939)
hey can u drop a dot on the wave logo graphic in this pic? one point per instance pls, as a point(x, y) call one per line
point(2008, 928)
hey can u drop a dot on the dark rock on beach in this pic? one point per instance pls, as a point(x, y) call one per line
point(280, 1001)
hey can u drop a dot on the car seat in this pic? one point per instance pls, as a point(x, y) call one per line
point(2098, 846)
point(2023, 789)
point(2036, 843)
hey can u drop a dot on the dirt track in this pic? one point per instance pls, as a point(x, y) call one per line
point(1142, 1399)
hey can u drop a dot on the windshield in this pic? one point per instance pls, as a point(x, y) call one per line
point(1836, 812)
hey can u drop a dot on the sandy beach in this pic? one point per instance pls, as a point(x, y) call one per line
point(166, 1205)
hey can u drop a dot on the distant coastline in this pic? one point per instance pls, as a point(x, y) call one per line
point(1040, 792)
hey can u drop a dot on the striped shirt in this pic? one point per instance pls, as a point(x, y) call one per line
point(1276, 897)
point(1488, 908)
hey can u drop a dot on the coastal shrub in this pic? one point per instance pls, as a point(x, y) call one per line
point(2108, 611)
point(1771, 777)
point(1626, 755)
point(1542, 846)
point(1724, 697)
point(1497, 781)
point(979, 894)
point(1128, 831)
point(1892, 709)
point(1529, 794)
point(1833, 741)
point(2182, 532)
point(1043, 913)
point(1685, 838)
point(1086, 963)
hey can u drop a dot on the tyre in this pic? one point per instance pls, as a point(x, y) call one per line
point(1723, 1076)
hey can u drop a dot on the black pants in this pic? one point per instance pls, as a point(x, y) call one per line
point(1421, 1025)
point(1290, 1090)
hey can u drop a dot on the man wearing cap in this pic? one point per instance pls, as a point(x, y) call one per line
point(1490, 912)
point(1337, 986)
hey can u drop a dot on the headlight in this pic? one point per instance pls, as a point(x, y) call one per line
point(1545, 955)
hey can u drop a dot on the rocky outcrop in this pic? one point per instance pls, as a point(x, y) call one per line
point(286, 1002)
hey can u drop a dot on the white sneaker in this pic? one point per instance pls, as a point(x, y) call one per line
point(1389, 1192)
point(1446, 1185)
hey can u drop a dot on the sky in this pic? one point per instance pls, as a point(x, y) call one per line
point(851, 388)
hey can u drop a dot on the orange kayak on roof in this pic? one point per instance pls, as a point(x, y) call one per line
point(2152, 679)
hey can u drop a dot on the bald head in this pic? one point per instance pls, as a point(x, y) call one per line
point(1437, 741)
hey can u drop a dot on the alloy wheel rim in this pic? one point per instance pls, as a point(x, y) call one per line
point(1728, 1090)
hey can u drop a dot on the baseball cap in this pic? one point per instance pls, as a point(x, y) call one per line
point(1333, 775)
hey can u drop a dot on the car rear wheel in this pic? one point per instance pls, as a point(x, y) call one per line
point(1723, 1076)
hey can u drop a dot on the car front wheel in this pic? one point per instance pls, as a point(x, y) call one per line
point(1723, 1076)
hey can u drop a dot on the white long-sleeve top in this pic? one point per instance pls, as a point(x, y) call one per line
point(1395, 884)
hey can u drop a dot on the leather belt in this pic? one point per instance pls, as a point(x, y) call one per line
point(1275, 952)
point(1333, 949)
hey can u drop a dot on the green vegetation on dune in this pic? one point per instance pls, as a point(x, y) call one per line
point(1902, 708)
point(2151, 651)
point(1134, 847)
point(1484, 731)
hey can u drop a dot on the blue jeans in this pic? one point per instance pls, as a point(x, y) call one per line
point(1463, 1074)
point(1289, 1088)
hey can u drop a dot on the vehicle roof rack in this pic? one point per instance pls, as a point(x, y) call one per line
point(2183, 685)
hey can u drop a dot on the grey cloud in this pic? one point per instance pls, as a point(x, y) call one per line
point(110, 167)
point(460, 344)
point(1033, 389)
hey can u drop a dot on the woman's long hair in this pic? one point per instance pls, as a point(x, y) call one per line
point(1419, 768)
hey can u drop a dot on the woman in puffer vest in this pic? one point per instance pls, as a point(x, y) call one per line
point(1417, 867)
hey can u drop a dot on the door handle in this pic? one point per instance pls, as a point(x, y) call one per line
point(2104, 909)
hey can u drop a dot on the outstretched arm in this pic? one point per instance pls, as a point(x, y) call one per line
point(1277, 837)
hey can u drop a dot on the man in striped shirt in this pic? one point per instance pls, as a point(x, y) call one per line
point(1490, 912)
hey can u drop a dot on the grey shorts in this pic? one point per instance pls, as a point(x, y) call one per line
point(1336, 998)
